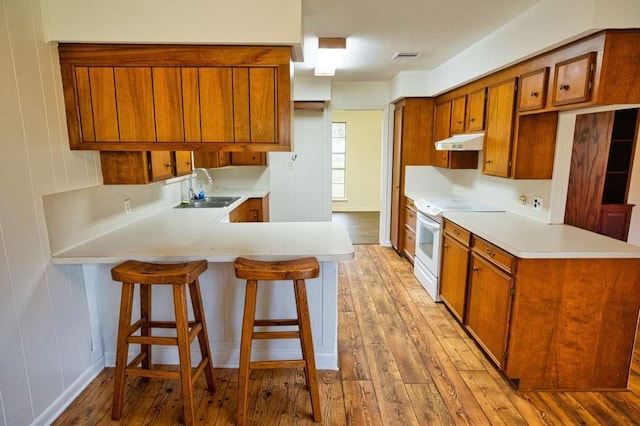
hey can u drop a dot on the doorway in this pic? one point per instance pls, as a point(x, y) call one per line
point(356, 162)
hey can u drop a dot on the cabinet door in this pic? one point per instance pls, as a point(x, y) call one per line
point(475, 110)
point(458, 111)
point(396, 177)
point(167, 102)
point(134, 99)
point(441, 130)
point(614, 220)
point(533, 90)
point(216, 104)
point(453, 277)
point(262, 104)
point(191, 104)
point(183, 163)
point(248, 158)
point(489, 308)
point(211, 159)
point(103, 107)
point(497, 143)
point(160, 165)
point(409, 243)
point(572, 81)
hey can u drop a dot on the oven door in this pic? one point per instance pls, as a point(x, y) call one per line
point(428, 233)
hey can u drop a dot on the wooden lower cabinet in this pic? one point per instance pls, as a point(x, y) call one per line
point(453, 276)
point(409, 239)
point(252, 210)
point(551, 323)
point(489, 307)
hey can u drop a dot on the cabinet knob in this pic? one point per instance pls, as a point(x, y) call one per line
point(487, 161)
point(188, 163)
point(491, 253)
point(459, 121)
point(475, 269)
point(472, 119)
point(534, 94)
point(167, 165)
point(456, 232)
point(564, 87)
point(445, 246)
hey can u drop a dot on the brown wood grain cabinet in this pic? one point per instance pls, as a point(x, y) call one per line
point(455, 263)
point(154, 97)
point(251, 210)
point(410, 219)
point(458, 114)
point(599, 177)
point(500, 123)
point(442, 130)
point(532, 93)
point(142, 167)
point(412, 146)
point(549, 323)
point(476, 110)
point(573, 79)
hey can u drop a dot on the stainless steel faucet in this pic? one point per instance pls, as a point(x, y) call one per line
point(192, 194)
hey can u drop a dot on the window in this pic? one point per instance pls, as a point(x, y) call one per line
point(338, 161)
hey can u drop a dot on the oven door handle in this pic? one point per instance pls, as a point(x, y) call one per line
point(429, 224)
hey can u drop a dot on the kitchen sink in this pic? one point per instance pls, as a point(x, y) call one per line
point(208, 202)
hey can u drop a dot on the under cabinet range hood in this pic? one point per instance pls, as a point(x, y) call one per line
point(466, 142)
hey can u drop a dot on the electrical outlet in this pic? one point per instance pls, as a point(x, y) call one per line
point(537, 203)
point(523, 200)
point(127, 206)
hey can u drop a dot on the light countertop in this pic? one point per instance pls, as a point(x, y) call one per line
point(529, 238)
point(188, 234)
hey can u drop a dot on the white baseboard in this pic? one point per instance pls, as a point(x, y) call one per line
point(71, 393)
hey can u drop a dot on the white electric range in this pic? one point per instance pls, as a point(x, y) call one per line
point(429, 236)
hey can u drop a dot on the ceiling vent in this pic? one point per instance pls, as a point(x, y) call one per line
point(405, 55)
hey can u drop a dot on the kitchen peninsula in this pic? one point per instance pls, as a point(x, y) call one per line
point(181, 234)
point(555, 307)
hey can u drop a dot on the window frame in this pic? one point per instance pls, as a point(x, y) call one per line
point(344, 168)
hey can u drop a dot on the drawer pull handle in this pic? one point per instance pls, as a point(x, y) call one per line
point(564, 87)
point(491, 253)
point(456, 232)
point(534, 94)
point(476, 269)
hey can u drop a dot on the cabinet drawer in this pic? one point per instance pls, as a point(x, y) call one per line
point(457, 232)
point(497, 256)
point(409, 243)
point(410, 218)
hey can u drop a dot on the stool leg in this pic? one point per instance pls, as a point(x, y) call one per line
point(306, 342)
point(205, 350)
point(145, 330)
point(245, 350)
point(182, 331)
point(122, 349)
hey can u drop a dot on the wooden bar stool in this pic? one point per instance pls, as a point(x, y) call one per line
point(297, 270)
point(179, 276)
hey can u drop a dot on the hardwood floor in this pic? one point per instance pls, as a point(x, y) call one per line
point(361, 226)
point(404, 360)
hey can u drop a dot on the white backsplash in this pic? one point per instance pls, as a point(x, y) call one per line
point(245, 177)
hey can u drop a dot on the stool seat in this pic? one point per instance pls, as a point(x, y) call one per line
point(179, 276)
point(296, 269)
point(158, 273)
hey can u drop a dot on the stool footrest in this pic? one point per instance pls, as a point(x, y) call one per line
point(199, 370)
point(275, 322)
point(157, 374)
point(153, 340)
point(167, 324)
point(293, 363)
point(276, 335)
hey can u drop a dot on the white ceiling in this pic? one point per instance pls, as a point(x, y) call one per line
point(377, 29)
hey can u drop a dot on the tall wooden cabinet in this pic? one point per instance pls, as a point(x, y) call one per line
point(601, 160)
point(412, 146)
point(500, 120)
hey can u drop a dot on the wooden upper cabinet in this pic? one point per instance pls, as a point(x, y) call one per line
point(183, 165)
point(202, 98)
point(441, 130)
point(573, 80)
point(500, 119)
point(141, 167)
point(458, 111)
point(533, 90)
point(475, 110)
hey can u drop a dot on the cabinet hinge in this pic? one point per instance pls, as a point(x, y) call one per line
point(590, 86)
point(512, 291)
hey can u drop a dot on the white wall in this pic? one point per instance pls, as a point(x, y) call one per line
point(300, 182)
point(364, 160)
point(167, 21)
point(45, 351)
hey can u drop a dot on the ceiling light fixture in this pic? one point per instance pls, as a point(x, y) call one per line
point(330, 52)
